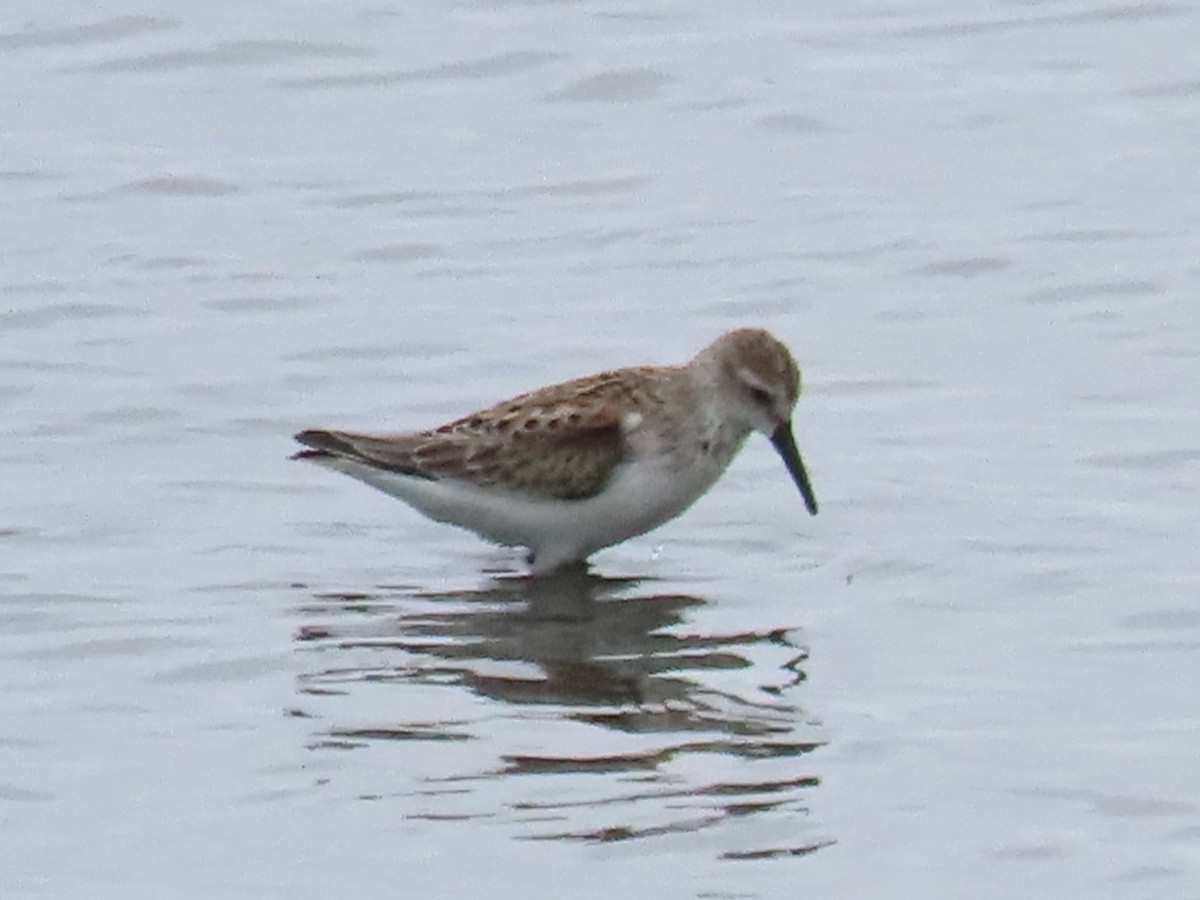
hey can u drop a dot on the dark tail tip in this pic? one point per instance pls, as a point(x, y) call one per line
point(328, 441)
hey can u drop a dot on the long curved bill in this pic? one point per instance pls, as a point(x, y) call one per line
point(785, 443)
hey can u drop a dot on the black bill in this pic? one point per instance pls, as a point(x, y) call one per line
point(785, 443)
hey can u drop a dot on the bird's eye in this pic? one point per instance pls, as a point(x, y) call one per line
point(761, 397)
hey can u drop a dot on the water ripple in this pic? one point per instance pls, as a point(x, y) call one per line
point(565, 654)
point(105, 31)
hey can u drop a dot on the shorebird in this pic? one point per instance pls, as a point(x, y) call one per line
point(571, 468)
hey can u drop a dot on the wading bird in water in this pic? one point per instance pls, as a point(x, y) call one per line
point(571, 468)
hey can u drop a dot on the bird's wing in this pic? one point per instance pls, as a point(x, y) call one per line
point(543, 450)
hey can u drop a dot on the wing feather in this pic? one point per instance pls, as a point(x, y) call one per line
point(563, 441)
point(556, 458)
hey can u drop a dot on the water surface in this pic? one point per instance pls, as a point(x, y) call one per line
point(224, 674)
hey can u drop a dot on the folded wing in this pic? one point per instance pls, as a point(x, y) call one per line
point(561, 452)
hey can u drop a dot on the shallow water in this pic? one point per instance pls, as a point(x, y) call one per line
point(973, 674)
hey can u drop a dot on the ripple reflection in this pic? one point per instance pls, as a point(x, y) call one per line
point(630, 723)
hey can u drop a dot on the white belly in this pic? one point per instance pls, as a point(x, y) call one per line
point(640, 496)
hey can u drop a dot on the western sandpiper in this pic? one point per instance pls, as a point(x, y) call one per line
point(574, 467)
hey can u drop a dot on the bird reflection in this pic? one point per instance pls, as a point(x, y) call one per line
point(575, 647)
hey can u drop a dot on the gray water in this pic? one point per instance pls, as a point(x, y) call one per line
point(974, 674)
